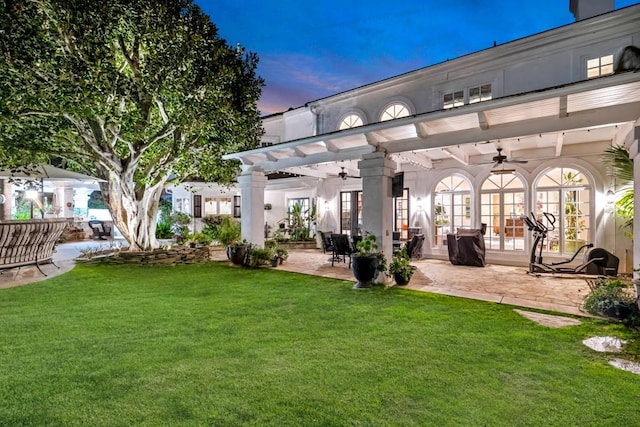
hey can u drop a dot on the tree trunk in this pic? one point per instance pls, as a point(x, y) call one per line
point(134, 209)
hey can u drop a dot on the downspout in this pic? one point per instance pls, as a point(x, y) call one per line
point(314, 109)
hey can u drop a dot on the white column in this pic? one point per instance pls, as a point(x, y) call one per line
point(64, 196)
point(66, 201)
point(376, 171)
point(634, 153)
point(81, 200)
point(252, 186)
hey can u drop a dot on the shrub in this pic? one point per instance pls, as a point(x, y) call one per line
point(173, 224)
point(228, 231)
point(163, 227)
point(200, 238)
point(260, 256)
point(400, 264)
point(212, 224)
point(163, 230)
point(611, 297)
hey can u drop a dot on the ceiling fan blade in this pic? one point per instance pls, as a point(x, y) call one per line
point(516, 161)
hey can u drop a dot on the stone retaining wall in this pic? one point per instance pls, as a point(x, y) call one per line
point(175, 256)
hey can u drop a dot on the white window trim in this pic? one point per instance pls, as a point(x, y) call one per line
point(351, 113)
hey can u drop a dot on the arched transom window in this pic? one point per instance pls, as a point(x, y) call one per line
point(350, 121)
point(394, 111)
point(452, 207)
point(565, 193)
point(502, 204)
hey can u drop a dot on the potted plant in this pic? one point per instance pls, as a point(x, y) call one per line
point(272, 246)
point(238, 252)
point(400, 267)
point(228, 233)
point(366, 261)
point(282, 254)
point(610, 297)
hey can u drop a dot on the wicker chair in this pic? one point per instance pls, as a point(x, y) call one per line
point(100, 230)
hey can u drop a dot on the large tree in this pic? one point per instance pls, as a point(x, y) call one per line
point(137, 92)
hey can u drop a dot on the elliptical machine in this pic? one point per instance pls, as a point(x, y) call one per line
point(597, 261)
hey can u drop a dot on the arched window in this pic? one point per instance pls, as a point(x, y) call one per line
point(502, 203)
point(350, 121)
point(451, 207)
point(565, 193)
point(394, 111)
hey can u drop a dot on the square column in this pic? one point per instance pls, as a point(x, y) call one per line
point(252, 186)
point(634, 153)
point(377, 170)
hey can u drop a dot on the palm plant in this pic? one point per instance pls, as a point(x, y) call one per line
point(620, 167)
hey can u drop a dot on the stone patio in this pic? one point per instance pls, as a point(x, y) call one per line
point(495, 283)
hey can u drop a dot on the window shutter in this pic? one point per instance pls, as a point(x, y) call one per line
point(197, 206)
point(236, 206)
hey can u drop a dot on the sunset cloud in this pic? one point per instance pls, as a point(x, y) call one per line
point(309, 49)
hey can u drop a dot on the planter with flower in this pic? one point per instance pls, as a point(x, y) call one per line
point(400, 268)
point(367, 262)
point(278, 254)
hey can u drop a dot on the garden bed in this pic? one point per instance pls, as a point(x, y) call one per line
point(298, 245)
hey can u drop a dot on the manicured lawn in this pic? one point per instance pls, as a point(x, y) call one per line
point(217, 345)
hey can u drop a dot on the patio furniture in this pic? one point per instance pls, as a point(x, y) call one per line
point(396, 241)
point(414, 246)
point(354, 240)
point(29, 242)
point(100, 230)
point(327, 244)
point(466, 247)
point(341, 248)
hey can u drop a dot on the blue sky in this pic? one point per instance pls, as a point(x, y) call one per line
point(312, 49)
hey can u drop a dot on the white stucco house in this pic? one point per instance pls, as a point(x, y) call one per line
point(550, 102)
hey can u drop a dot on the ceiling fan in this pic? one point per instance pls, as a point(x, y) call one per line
point(500, 159)
point(345, 175)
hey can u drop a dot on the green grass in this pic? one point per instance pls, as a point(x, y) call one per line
point(218, 345)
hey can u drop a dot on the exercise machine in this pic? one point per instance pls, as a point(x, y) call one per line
point(597, 261)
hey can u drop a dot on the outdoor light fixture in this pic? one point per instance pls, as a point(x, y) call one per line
point(31, 193)
point(611, 197)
